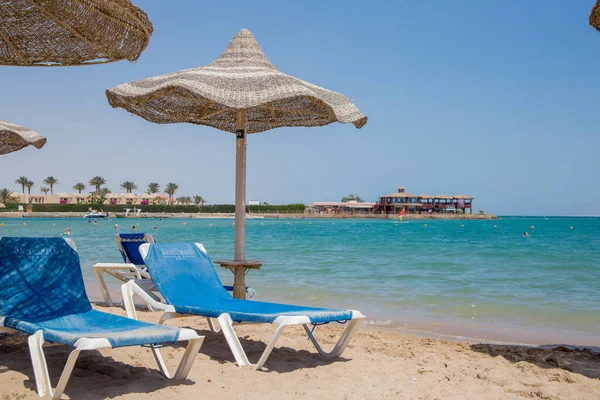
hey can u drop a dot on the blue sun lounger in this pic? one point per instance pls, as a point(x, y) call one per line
point(42, 294)
point(133, 266)
point(184, 275)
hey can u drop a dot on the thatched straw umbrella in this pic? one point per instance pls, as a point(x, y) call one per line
point(240, 92)
point(71, 32)
point(14, 137)
point(595, 16)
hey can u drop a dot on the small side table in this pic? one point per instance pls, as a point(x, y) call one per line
point(239, 270)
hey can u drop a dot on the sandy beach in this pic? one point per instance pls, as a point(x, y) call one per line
point(376, 365)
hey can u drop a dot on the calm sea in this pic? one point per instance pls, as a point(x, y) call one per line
point(476, 279)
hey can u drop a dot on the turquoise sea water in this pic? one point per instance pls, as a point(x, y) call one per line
point(480, 279)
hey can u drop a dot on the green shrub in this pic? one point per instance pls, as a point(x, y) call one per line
point(158, 208)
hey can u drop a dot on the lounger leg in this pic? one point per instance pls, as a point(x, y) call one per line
point(66, 374)
point(103, 289)
point(127, 293)
point(40, 368)
point(161, 362)
point(187, 360)
point(233, 341)
point(267, 352)
point(211, 325)
point(340, 346)
point(166, 316)
point(236, 347)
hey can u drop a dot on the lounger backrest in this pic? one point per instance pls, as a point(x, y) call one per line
point(129, 246)
point(181, 271)
point(40, 279)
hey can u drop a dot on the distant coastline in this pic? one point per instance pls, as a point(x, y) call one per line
point(119, 215)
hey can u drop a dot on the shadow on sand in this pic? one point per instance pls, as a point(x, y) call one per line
point(95, 375)
point(282, 359)
point(103, 377)
point(579, 360)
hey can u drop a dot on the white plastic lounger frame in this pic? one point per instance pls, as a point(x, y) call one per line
point(121, 271)
point(130, 289)
point(40, 368)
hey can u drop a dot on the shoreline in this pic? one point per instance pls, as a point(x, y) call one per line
point(440, 328)
point(25, 215)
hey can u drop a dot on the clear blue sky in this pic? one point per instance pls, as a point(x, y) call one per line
point(499, 100)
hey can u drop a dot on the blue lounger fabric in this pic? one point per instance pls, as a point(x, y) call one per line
point(130, 242)
point(41, 288)
point(131, 246)
point(187, 279)
point(119, 331)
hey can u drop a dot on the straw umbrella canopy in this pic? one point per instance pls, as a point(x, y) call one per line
point(240, 92)
point(71, 32)
point(595, 16)
point(14, 137)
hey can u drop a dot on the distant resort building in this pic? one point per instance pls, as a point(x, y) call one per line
point(80, 198)
point(342, 207)
point(395, 202)
point(423, 203)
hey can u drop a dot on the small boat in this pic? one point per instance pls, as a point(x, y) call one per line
point(95, 214)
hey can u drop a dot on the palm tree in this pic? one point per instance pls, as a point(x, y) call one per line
point(23, 182)
point(184, 200)
point(352, 197)
point(129, 186)
point(170, 189)
point(97, 182)
point(199, 201)
point(79, 186)
point(51, 181)
point(29, 185)
point(45, 190)
point(153, 187)
point(6, 196)
point(100, 196)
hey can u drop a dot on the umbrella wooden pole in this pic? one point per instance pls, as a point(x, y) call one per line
point(240, 186)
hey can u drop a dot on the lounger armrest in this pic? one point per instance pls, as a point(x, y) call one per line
point(303, 319)
point(129, 289)
point(108, 266)
point(92, 344)
point(188, 334)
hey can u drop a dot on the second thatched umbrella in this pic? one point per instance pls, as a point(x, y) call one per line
point(240, 92)
point(595, 16)
point(71, 32)
point(14, 137)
